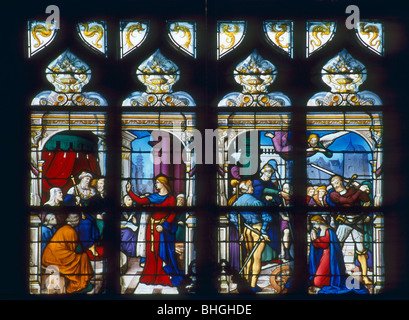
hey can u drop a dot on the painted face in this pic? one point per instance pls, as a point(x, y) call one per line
point(85, 181)
point(321, 193)
point(59, 196)
point(53, 220)
point(267, 175)
point(313, 142)
point(100, 185)
point(158, 185)
point(337, 184)
point(180, 201)
point(128, 201)
point(316, 225)
point(250, 188)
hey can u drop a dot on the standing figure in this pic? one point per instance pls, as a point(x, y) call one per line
point(286, 236)
point(270, 195)
point(265, 190)
point(64, 251)
point(161, 264)
point(285, 195)
point(356, 195)
point(129, 229)
point(254, 234)
point(356, 226)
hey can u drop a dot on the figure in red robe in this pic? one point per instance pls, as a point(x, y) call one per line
point(161, 265)
point(339, 195)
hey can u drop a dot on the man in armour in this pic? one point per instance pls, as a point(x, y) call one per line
point(355, 195)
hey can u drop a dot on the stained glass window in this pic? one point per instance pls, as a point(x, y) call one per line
point(158, 170)
point(255, 244)
point(212, 153)
point(68, 169)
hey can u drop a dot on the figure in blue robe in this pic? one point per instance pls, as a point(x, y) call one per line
point(88, 231)
point(337, 274)
point(46, 235)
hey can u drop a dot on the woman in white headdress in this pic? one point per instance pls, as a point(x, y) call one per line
point(56, 197)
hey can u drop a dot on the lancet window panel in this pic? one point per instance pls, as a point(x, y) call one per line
point(254, 148)
point(255, 249)
point(159, 150)
point(255, 256)
point(67, 253)
point(344, 159)
point(157, 261)
point(345, 253)
point(68, 159)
